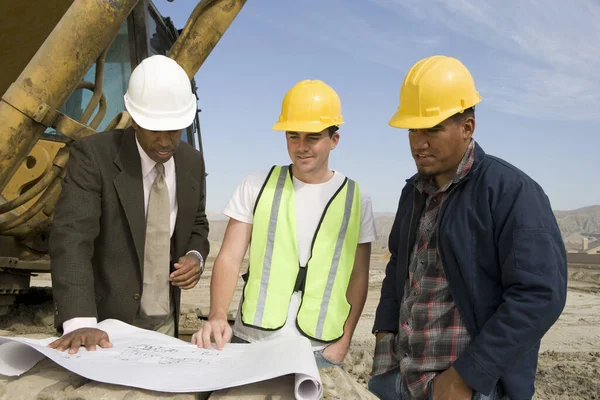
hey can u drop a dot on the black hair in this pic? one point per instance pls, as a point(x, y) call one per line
point(461, 116)
point(332, 129)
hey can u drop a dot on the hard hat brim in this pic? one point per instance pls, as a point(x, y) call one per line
point(163, 121)
point(291, 126)
point(303, 126)
point(404, 121)
point(412, 122)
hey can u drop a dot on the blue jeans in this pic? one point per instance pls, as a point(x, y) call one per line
point(389, 386)
point(323, 362)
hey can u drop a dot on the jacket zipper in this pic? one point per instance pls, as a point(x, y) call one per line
point(439, 224)
point(412, 214)
point(444, 266)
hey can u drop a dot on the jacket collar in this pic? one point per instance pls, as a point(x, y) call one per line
point(477, 160)
point(130, 190)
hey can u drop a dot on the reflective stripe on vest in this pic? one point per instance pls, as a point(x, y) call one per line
point(274, 264)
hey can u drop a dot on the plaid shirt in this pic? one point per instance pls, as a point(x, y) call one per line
point(431, 333)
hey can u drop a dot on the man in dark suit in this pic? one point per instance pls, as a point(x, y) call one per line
point(130, 229)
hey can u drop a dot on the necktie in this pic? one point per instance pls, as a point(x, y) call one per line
point(156, 295)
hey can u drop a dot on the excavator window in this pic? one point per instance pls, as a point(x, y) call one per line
point(145, 33)
point(162, 35)
point(159, 37)
point(117, 69)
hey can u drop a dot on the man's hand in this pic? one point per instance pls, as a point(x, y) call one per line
point(336, 352)
point(187, 272)
point(218, 328)
point(88, 337)
point(449, 385)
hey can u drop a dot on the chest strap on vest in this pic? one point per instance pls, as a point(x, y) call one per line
point(300, 280)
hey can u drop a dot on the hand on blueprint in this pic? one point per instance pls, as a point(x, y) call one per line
point(88, 337)
point(187, 272)
point(218, 328)
point(336, 352)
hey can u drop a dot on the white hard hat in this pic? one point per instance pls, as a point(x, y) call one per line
point(159, 96)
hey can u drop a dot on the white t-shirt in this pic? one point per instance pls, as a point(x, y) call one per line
point(311, 200)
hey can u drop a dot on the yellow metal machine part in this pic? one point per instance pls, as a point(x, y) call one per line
point(203, 30)
point(42, 66)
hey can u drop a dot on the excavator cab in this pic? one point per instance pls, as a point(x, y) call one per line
point(29, 190)
point(145, 32)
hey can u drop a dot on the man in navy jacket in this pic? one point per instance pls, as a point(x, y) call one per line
point(478, 270)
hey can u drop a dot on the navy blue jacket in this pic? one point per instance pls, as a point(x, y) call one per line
point(506, 265)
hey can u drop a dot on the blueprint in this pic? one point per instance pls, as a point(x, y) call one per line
point(150, 360)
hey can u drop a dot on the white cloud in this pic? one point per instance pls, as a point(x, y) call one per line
point(338, 25)
point(540, 58)
point(545, 54)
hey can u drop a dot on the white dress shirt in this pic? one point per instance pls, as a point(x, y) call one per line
point(148, 174)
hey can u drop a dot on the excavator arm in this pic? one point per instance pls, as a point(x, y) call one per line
point(48, 48)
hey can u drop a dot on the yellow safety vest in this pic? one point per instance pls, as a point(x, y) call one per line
point(274, 265)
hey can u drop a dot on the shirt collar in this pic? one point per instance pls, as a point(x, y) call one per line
point(428, 184)
point(148, 163)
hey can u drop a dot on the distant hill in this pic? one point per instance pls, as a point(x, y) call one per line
point(577, 224)
point(574, 225)
point(383, 224)
point(582, 220)
point(216, 216)
point(217, 230)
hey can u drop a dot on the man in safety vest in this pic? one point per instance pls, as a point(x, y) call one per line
point(310, 231)
point(478, 270)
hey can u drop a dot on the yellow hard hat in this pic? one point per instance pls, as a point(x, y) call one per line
point(434, 89)
point(309, 106)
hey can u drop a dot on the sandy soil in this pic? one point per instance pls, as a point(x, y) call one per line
point(569, 366)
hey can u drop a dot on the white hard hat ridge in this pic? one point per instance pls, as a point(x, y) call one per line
point(159, 96)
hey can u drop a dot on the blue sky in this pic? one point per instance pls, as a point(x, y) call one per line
point(536, 65)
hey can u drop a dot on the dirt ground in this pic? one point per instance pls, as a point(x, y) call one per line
point(569, 365)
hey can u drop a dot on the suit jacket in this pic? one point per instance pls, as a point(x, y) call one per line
point(98, 233)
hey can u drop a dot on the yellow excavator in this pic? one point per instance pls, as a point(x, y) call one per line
point(64, 70)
